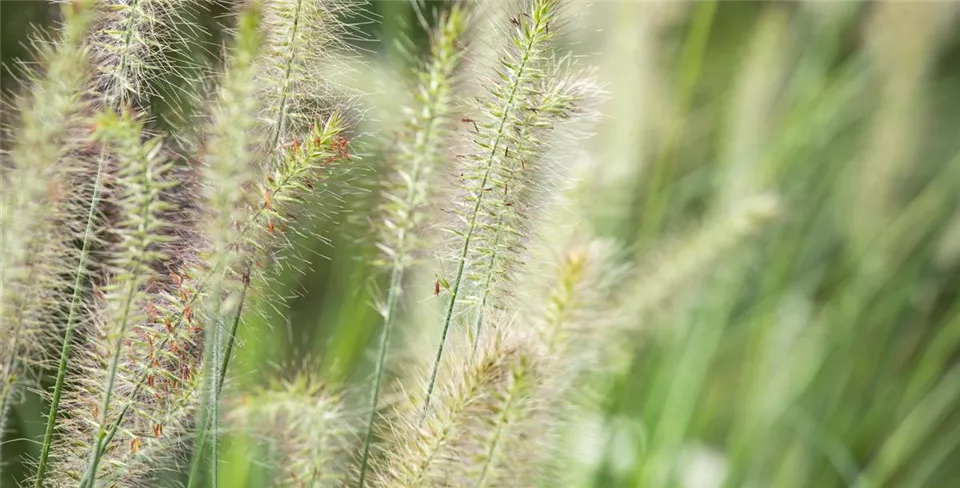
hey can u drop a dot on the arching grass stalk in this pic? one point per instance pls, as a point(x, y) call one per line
point(528, 38)
point(416, 165)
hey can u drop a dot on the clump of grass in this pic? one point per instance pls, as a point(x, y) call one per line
point(145, 255)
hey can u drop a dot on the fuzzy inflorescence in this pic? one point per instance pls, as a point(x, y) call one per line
point(41, 214)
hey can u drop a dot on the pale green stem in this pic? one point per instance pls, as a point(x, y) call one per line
point(224, 364)
point(486, 291)
point(111, 380)
point(396, 280)
point(208, 419)
point(233, 334)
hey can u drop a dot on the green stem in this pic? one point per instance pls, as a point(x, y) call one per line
point(200, 442)
point(231, 339)
point(486, 291)
point(71, 325)
point(208, 418)
point(396, 279)
point(111, 380)
point(465, 250)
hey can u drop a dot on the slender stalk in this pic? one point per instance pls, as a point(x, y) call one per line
point(111, 379)
point(233, 334)
point(71, 325)
point(396, 279)
point(200, 442)
point(486, 292)
point(489, 164)
point(208, 420)
point(287, 72)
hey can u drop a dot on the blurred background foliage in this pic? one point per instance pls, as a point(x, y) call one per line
point(824, 353)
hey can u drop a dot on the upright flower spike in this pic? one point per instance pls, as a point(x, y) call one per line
point(302, 53)
point(427, 453)
point(305, 423)
point(524, 181)
point(527, 98)
point(132, 44)
point(420, 151)
point(40, 204)
point(103, 374)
